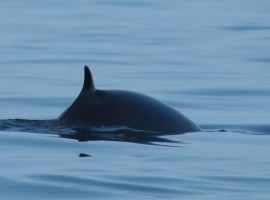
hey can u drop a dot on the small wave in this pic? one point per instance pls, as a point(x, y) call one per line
point(83, 132)
point(262, 129)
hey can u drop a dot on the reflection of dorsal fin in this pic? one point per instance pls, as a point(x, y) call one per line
point(88, 84)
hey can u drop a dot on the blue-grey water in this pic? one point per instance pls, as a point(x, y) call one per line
point(208, 59)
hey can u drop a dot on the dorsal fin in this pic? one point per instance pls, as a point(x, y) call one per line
point(88, 84)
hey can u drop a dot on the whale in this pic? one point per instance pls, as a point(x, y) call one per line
point(101, 108)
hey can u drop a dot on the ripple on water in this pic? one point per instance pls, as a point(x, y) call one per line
point(114, 184)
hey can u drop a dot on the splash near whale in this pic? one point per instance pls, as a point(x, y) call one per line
point(136, 111)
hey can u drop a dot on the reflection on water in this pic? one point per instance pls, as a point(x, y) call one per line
point(83, 133)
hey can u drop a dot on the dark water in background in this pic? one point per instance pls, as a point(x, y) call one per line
point(208, 59)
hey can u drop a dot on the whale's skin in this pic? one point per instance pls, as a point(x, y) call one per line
point(124, 108)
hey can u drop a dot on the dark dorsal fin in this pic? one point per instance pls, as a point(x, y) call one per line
point(88, 84)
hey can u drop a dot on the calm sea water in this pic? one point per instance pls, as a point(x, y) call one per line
point(208, 59)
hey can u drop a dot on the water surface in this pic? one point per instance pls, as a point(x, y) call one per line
point(207, 59)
